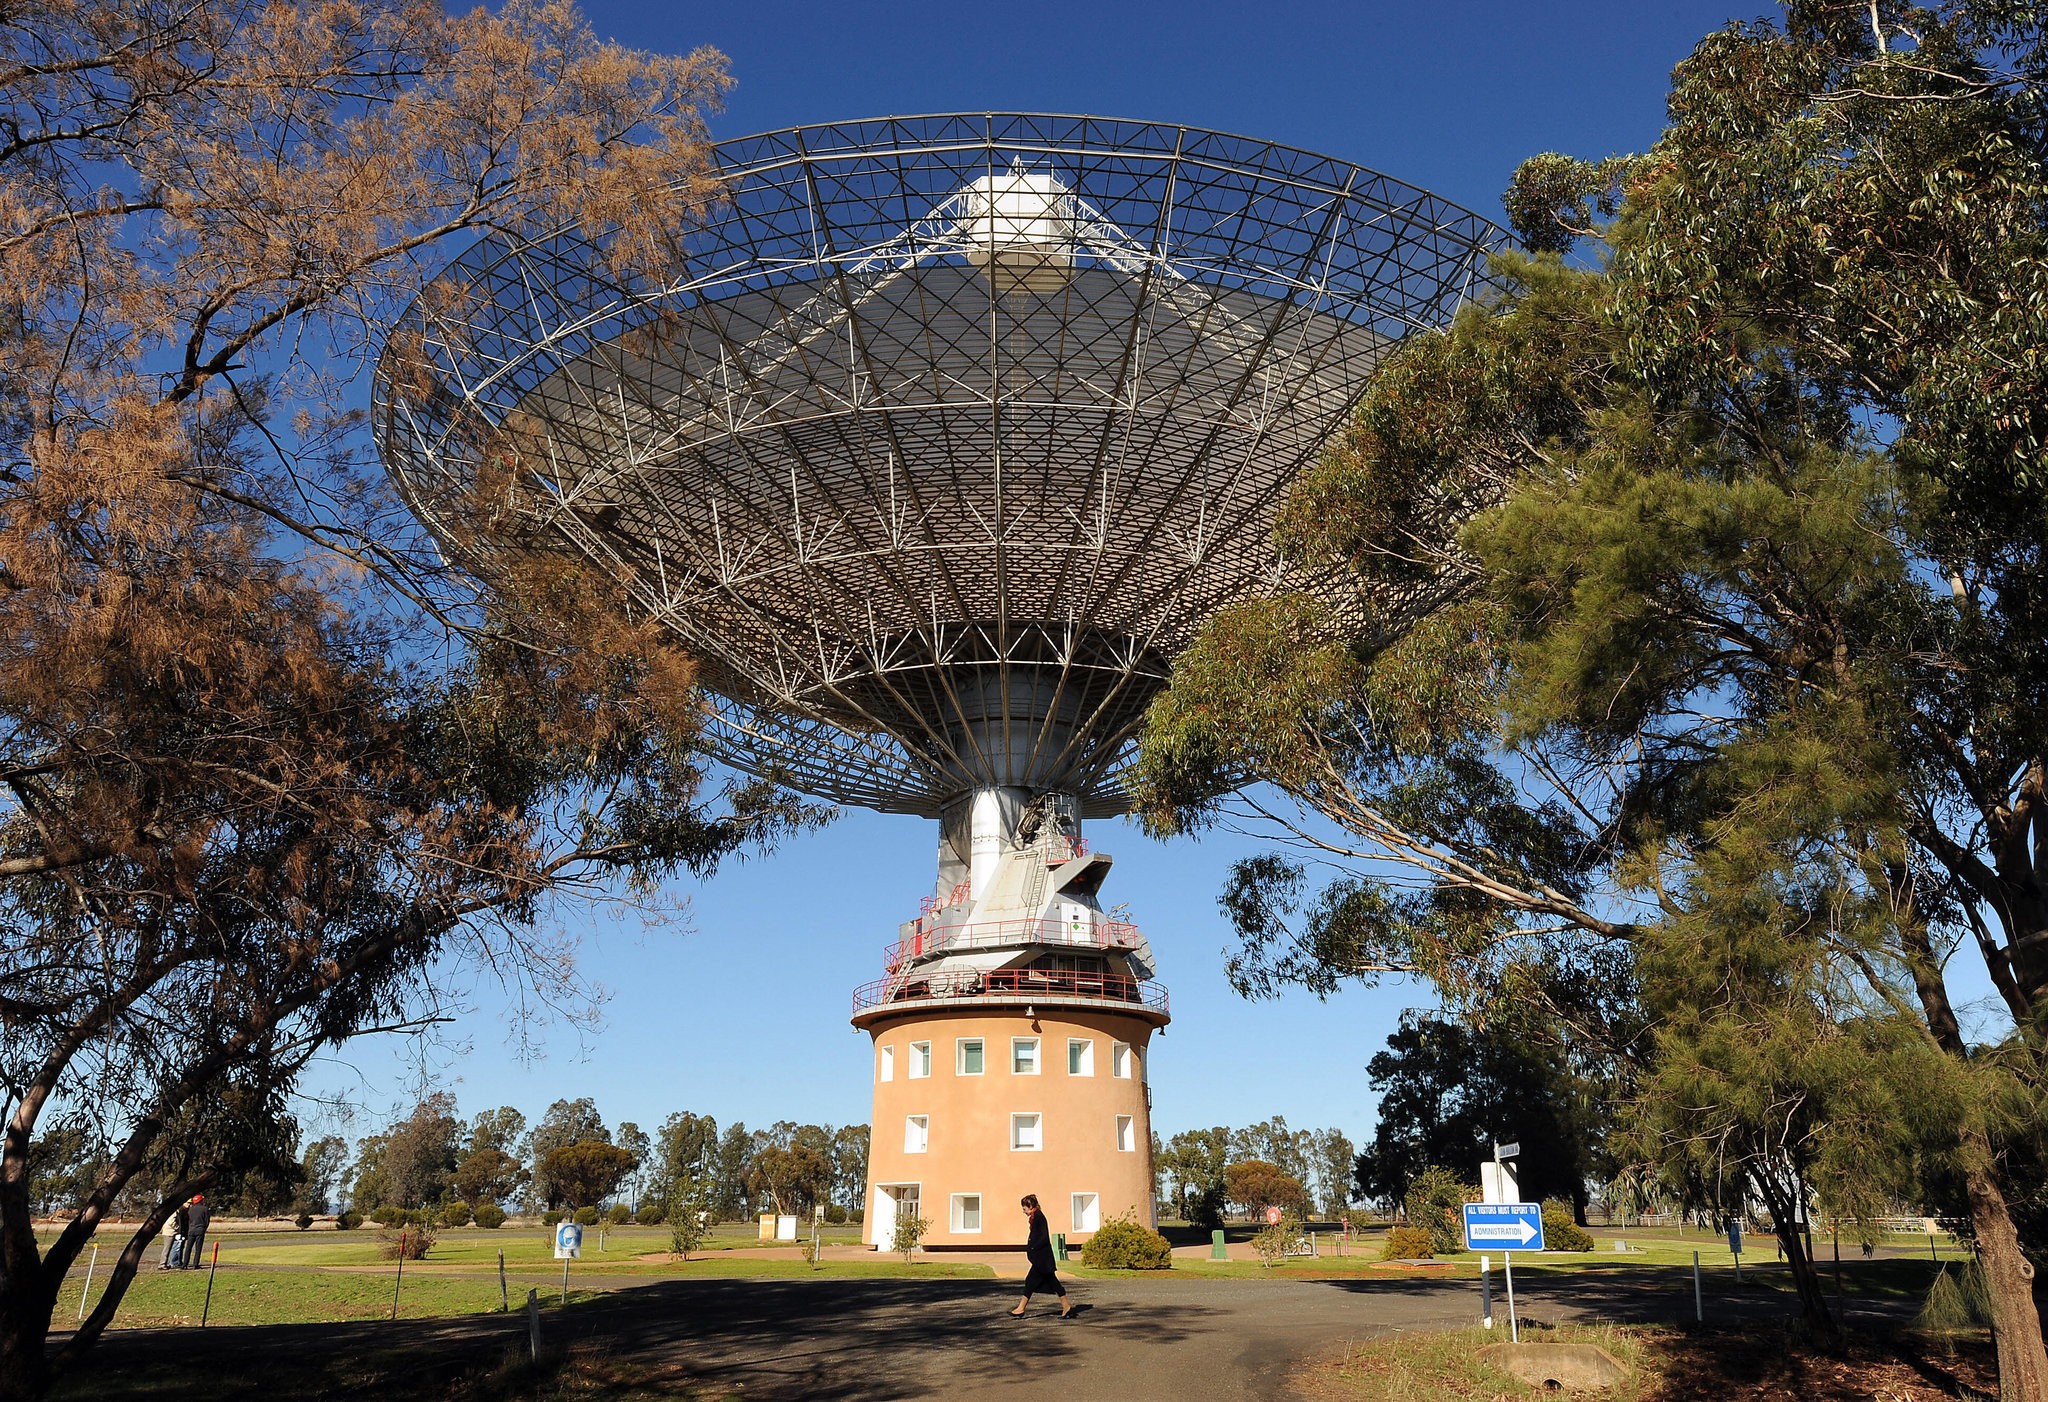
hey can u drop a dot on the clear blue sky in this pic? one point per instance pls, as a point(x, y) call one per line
point(741, 1011)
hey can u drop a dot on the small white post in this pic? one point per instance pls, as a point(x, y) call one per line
point(1486, 1291)
point(1508, 1268)
point(90, 1267)
point(533, 1323)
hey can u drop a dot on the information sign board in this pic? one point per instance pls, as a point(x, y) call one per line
point(1503, 1226)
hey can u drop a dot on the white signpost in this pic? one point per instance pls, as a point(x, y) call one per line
point(1508, 1227)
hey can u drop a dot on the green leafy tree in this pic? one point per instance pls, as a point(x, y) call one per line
point(1435, 1203)
point(685, 1153)
point(634, 1141)
point(850, 1165)
point(795, 1179)
point(687, 1217)
point(566, 1122)
point(321, 1169)
point(1197, 1161)
point(1255, 1185)
point(1719, 567)
point(500, 1129)
point(585, 1173)
point(732, 1194)
point(1449, 1091)
point(1335, 1163)
point(489, 1174)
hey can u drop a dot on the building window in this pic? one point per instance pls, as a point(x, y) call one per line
point(1024, 1132)
point(1126, 1135)
point(920, 1060)
point(1080, 1056)
point(916, 1133)
point(888, 1071)
point(967, 1056)
point(1087, 1212)
point(1024, 1056)
point(1120, 1060)
point(967, 1212)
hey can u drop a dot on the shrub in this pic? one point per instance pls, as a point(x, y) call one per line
point(410, 1242)
point(687, 1229)
point(1560, 1232)
point(1273, 1242)
point(855, 1214)
point(456, 1214)
point(1408, 1244)
point(619, 1215)
point(835, 1215)
point(303, 1220)
point(1121, 1244)
point(650, 1215)
point(551, 1219)
point(1436, 1203)
point(909, 1232)
point(347, 1220)
point(491, 1216)
point(586, 1216)
point(388, 1216)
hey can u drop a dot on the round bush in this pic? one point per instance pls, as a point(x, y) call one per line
point(551, 1219)
point(854, 1214)
point(835, 1215)
point(1121, 1244)
point(650, 1215)
point(347, 1221)
point(618, 1215)
point(1408, 1244)
point(586, 1216)
point(489, 1216)
point(410, 1242)
point(388, 1215)
point(456, 1214)
point(1560, 1232)
point(303, 1221)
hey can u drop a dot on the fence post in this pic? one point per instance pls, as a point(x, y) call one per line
point(400, 1282)
point(1486, 1291)
point(1698, 1315)
point(504, 1300)
point(207, 1308)
point(533, 1324)
point(91, 1266)
point(565, 1280)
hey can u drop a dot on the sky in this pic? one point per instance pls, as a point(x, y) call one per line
point(739, 1008)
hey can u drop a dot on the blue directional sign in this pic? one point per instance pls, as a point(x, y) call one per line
point(1503, 1226)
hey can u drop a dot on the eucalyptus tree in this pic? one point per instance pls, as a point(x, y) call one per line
point(1724, 745)
point(263, 762)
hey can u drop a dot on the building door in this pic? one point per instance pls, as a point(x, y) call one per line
point(892, 1200)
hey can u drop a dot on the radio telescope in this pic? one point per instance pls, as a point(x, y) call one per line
point(937, 444)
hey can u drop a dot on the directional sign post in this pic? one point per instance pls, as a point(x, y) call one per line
point(1507, 1227)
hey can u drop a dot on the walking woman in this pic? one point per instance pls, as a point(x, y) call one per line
point(1038, 1251)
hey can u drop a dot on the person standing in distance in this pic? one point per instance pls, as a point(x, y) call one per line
point(197, 1217)
point(1038, 1252)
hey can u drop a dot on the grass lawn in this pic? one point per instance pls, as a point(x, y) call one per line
point(1758, 1363)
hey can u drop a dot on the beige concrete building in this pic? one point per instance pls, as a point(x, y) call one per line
point(1011, 1038)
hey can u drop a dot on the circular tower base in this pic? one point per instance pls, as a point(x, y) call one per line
point(977, 1106)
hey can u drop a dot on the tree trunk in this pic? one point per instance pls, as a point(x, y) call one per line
point(2009, 1281)
point(25, 1308)
point(1813, 1301)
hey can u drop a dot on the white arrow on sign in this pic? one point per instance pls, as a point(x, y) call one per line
point(1518, 1231)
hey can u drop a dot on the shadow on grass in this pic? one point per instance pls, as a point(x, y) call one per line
point(838, 1340)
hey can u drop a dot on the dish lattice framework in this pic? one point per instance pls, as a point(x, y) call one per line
point(944, 434)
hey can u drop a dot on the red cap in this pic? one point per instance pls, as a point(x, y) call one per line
point(199, 1197)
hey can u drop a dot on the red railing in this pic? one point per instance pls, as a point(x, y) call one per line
point(1097, 933)
point(1010, 984)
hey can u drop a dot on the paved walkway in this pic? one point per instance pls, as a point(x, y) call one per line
point(865, 1340)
